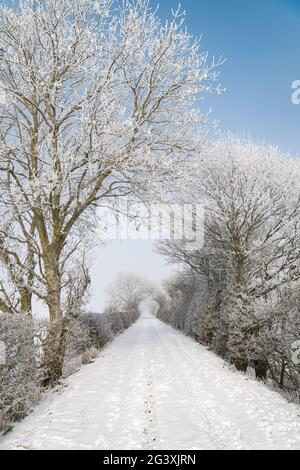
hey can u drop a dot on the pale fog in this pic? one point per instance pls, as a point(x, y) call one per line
point(112, 257)
point(137, 256)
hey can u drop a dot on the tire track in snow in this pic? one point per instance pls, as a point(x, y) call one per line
point(223, 436)
point(247, 400)
point(151, 437)
point(219, 436)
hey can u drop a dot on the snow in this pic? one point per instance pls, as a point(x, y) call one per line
point(154, 388)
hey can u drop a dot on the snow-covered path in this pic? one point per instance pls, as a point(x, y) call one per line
point(154, 388)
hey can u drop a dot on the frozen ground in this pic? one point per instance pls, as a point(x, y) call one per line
point(154, 388)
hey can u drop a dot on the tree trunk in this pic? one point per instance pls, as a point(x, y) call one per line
point(54, 352)
point(25, 292)
point(54, 349)
point(282, 374)
point(26, 301)
point(5, 308)
point(241, 364)
point(261, 369)
point(240, 271)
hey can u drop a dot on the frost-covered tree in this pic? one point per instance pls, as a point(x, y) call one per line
point(128, 291)
point(276, 338)
point(180, 290)
point(252, 198)
point(252, 246)
point(252, 193)
point(100, 102)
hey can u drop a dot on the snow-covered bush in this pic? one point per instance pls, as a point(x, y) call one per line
point(19, 377)
point(88, 333)
point(103, 327)
point(261, 334)
point(78, 339)
point(276, 339)
point(79, 349)
point(99, 328)
point(120, 321)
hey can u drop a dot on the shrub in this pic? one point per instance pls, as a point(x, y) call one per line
point(19, 375)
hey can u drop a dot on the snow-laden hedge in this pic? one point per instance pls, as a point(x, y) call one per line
point(19, 376)
point(21, 355)
point(264, 336)
point(103, 327)
point(91, 332)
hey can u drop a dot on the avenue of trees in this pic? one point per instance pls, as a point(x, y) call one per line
point(100, 102)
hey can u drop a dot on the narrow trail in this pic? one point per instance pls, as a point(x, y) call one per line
point(154, 388)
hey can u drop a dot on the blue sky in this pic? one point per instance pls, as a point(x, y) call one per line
point(261, 42)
